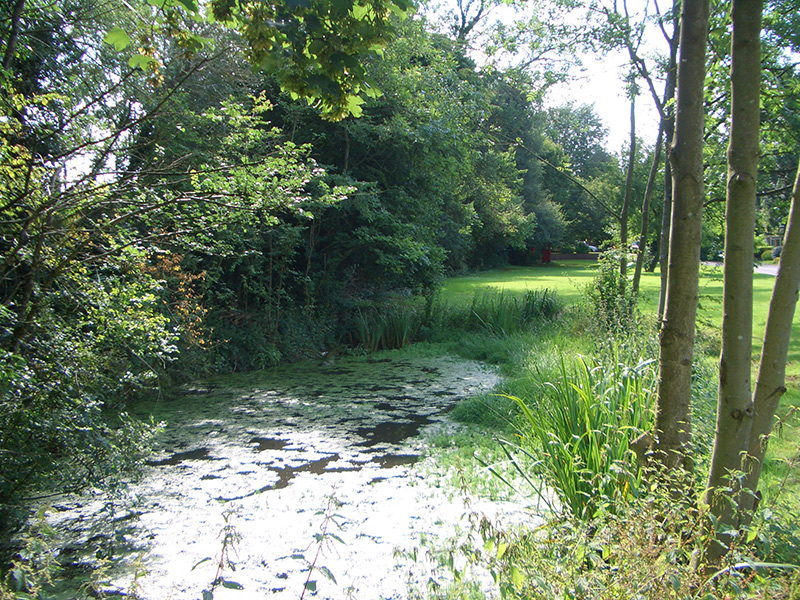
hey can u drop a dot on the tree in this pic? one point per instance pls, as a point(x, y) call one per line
point(578, 163)
point(621, 30)
point(771, 380)
point(734, 406)
point(673, 418)
point(90, 203)
point(743, 422)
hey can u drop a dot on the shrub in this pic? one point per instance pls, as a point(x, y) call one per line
point(611, 301)
point(96, 344)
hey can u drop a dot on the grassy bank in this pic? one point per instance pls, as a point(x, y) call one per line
point(603, 541)
point(569, 279)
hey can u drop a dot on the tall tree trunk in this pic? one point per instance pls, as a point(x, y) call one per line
point(770, 384)
point(673, 421)
point(648, 194)
point(669, 130)
point(626, 201)
point(734, 402)
point(13, 34)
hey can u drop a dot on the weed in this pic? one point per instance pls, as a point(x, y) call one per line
point(36, 571)
point(579, 432)
point(388, 327)
point(322, 540)
point(229, 539)
point(489, 410)
point(642, 551)
point(612, 304)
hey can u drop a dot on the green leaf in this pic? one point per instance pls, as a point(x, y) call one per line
point(200, 562)
point(190, 5)
point(231, 585)
point(401, 8)
point(140, 61)
point(501, 549)
point(117, 38)
point(335, 537)
point(327, 572)
point(359, 12)
point(200, 41)
point(354, 105)
point(516, 578)
point(311, 586)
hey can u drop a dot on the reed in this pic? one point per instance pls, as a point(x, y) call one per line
point(579, 431)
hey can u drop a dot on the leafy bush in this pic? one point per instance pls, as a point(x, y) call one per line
point(611, 300)
point(100, 338)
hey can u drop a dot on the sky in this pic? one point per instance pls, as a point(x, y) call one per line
point(601, 85)
point(600, 80)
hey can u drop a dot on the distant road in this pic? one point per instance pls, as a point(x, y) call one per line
point(768, 269)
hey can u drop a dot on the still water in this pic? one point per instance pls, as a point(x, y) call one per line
point(252, 465)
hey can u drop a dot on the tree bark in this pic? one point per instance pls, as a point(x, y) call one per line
point(770, 384)
point(669, 131)
point(648, 193)
point(673, 421)
point(734, 401)
point(13, 34)
point(626, 201)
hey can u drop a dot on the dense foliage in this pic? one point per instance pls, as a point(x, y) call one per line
point(167, 211)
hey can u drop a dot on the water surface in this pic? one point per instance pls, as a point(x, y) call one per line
point(267, 455)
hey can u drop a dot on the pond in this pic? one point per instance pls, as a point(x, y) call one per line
point(249, 469)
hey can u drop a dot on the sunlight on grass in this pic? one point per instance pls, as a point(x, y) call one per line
point(566, 278)
point(570, 278)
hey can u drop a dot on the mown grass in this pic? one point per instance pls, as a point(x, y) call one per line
point(569, 279)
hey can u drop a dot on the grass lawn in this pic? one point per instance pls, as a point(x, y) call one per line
point(570, 278)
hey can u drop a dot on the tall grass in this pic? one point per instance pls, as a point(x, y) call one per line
point(389, 327)
point(497, 312)
point(492, 312)
point(579, 432)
